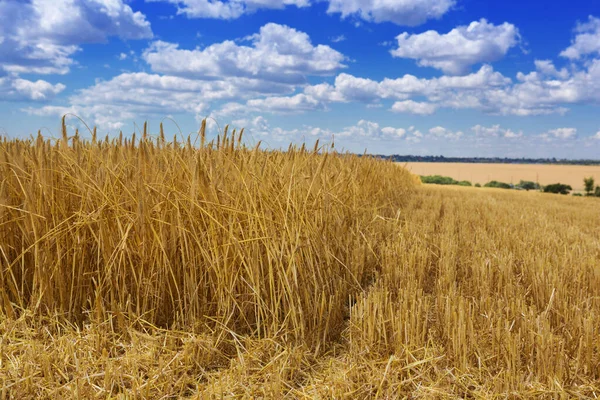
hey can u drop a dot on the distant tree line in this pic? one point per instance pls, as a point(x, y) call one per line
point(591, 189)
point(487, 160)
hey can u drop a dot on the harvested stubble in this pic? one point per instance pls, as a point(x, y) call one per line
point(153, 269)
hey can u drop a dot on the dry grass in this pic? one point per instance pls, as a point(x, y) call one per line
point(510, 173)
point(147, 269)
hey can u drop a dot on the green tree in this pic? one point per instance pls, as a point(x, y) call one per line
point(528, 185)
point(496, 184)
point(439, 180)
point(597, 192)
point(558, 188)
point(589, 185)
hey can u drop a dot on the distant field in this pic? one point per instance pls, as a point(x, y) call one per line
point(511, 173)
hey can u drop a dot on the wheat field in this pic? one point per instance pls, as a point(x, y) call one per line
point(544, 174)
point(147, 268)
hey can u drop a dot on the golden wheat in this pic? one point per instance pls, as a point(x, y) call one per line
point(151, 269)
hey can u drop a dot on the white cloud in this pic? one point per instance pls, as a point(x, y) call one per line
point(338, 39)
point(541, 92)
point(456, 51)
point(231, 109)
point(546, 67)
point(413, 107)
point(372, 130)
point(294, 104)
point(512, 135)
point(268, 74)
point(596, 136)
point(403, 12)
point(350, 88)
point(325, 92)
point(278, 53)
point(41, 36)
point(17, 89)
point(443, 133)
point(104, 116)
point(559, 133)
point(495, 131)
point(414, 135)
point(393, 132)
point(138, 95)
point(587, 40)
point(362, 130)
point(122, 56)
point(483, 131)
point(320, 132)
point(469, 91)
point(231, 9)
point(259, 127)
point(256, 123)
point(367, 131)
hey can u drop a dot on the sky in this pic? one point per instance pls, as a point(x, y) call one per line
point(425, 77)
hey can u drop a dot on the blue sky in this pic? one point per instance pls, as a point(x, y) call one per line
point(428, 77)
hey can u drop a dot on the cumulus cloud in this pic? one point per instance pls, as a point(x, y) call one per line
point(17, 89)
point(414, 135)
point(456, 51)
point(413, 107)
point(586, 41)
point(405, 12)
point(353, 88)
point(325, 92)
point(267, 73)
point(541, 92)
point(363, 129)
point(279, 60)
point(294, 104)
point(228, 9)
point(278, 53)
point(560, 133)
point(259, 127)
point(393, 132)
point(596, 136)
point(41, 36)
point(495, 131)
point(372, 130)
point(480, 90)
point(350, 88)
point(443, 133)
point(257, 123)
point(547, 68)
point(138, 95)
point(512, 135)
